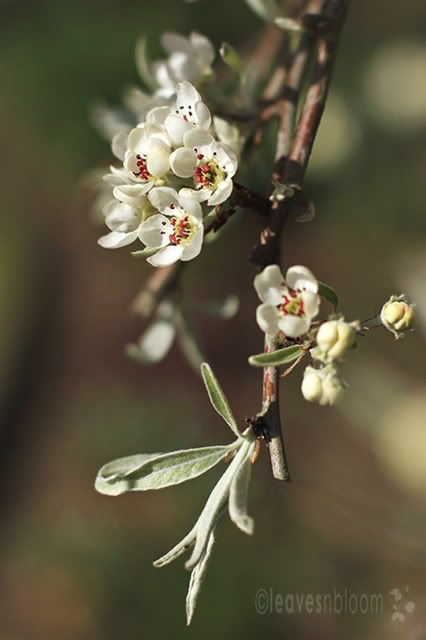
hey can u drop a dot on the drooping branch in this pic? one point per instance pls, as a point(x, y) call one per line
point(323, 22)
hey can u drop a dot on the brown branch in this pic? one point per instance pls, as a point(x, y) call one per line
point(291, 161)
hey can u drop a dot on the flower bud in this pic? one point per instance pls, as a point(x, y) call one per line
point(334, 339)
point(397, 315)
point(312, 385)
point(322, 385)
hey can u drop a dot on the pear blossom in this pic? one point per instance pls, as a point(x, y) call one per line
point(177, 231)
point(322, 385)
point(124, 219)
point(210, 164)
point(398, 315)
point(147, 157)
point(189, 112)
point(288, 304)
point(188, 59)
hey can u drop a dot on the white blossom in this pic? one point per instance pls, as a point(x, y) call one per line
point(147, 157)
point(190, 111)
point(289, 304)
point(322, 385)
point(124, 219)
point(210, 164)
point(177, 231)
point(188, 59)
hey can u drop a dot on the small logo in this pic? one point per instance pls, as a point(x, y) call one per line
point(402, 605)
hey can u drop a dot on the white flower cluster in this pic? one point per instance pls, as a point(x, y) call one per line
point(288, 308)
point(173, 168)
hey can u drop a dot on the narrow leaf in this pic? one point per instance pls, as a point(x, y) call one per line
point(216, 501)
point(328, 294)
point(178, 549)
point(238, 496)
point(196, 580)
point(218, 398)
point(157, 470)
point(276, 358)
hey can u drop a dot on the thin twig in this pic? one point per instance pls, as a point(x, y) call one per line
point(291, 160)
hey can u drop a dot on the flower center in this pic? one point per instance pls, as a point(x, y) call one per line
point(293, 304)
point(183, 228)
point(208, 173)
point(142, 172)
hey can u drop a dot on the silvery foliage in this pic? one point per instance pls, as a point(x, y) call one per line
point(148, 471)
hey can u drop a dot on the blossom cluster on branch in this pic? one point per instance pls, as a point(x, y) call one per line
point(177, 184)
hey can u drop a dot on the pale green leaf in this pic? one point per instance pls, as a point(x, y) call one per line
point(178, 549)
point(196, 580)
point(238, 497)
point(276, 358)
point(217, 500)
point(218, 398)
point(157, 470)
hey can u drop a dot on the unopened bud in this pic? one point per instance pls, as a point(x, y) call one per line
point(397, 315)
point(322, 385)
point(334, 339)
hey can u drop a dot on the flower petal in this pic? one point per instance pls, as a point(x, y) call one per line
point(158, 160)
point(157, 340)
point(167, 255)
point(122, 217)
point(311, 303)
point(192, 250)
point(222, 192)
point(203, 48)
point(183, 67)
point(294, 326)
point(130, 193)
point(204, 118)
point(162, 197)
point(119, 145)
point(267, 318)
point(162, 75)
point(157, 115)
point(269, 285)
point(115, 240)
point(187, 95)
point(197, 137)
point(182, 162)
point(155, 231)
point(190, 204)
point(176, 128)
point(171, 42)
point(299, 277)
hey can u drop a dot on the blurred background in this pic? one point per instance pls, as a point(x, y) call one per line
point(77, 565)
